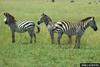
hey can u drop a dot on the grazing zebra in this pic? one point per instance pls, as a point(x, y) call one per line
point(74, 29)
point(48, 22)
point(21, 27)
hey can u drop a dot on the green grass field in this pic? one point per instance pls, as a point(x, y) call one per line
point(43, 53)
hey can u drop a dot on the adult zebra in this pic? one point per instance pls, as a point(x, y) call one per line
point(74, 29)
point(21, 27)
point(48, 22)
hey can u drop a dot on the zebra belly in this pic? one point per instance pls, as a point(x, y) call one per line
point(70, 32)
point(21, 30)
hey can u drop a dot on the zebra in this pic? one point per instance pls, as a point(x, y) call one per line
point(76, 29)
point(21, 27)
point(49, 24)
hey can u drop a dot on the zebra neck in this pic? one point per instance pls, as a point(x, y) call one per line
point(49, 23)
point(13, 26)
point(85, 26)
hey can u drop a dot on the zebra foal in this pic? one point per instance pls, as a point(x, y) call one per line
point(21, 27)
point(49, 24)
point(77, 29)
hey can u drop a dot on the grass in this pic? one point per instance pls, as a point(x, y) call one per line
point(43, 53)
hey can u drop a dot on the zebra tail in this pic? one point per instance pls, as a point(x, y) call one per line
point(38, 28)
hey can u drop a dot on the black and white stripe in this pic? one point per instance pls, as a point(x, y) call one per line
point(74, 28)
point(25, 26)
point(66, 27)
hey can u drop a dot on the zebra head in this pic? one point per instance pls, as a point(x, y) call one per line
point(44, 18)
point(92, 23)
point(8, 18)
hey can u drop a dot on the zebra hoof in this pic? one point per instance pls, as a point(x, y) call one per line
point(30, 42)
point(13, 41)
point(58, 43)
point(34, 41)
point(52, 42)
point(76, 47)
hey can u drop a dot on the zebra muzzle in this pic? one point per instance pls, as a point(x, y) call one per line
point(38, 22)
point(95, 29)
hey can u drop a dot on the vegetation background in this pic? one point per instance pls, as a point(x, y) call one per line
point(43, 53)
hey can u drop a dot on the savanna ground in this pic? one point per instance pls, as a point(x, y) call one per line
point(43, 53)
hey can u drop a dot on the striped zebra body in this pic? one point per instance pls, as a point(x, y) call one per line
point(20, 27)
point(74, 29)
point(69, 28)
point(25, 26)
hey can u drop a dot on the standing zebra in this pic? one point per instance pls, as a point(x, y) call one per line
point(21, 27)
point(48, 22)
point(74, 29)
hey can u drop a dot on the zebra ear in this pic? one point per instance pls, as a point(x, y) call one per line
point(4, 13)
point(93, 18)
point(43, 14)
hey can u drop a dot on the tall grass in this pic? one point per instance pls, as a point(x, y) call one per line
point(43, 53)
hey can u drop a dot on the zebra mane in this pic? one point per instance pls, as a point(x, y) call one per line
point(47, 17)
point(86, 19)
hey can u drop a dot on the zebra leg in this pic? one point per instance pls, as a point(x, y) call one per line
point(59, 36)
point(77, 41)
point(70, 39)
point(31, 33)
point(52, 36)
point(13, 37)
point(34, 37)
